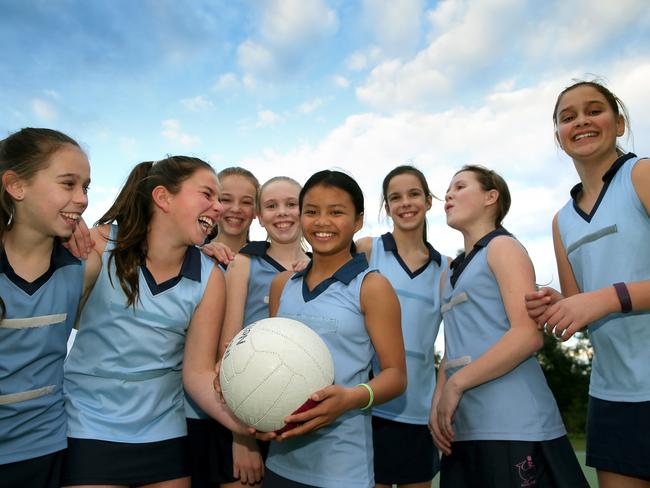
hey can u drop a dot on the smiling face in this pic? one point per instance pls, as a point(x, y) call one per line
point(237, 197)
point(279, 213)
point(406, 202)
point(52, 201)
point(329, 220)
point(587, 125)
point(196, 207)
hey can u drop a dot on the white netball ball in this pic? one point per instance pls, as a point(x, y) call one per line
point(271, 368)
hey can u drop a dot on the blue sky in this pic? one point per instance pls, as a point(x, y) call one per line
point(295, 86)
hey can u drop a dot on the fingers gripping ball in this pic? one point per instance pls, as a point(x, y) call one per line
point(270, 369)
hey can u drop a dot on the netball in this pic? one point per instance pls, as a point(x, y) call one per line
point(271, 368)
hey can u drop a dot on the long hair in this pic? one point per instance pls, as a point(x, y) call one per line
point(132, 211)
point(25, 152)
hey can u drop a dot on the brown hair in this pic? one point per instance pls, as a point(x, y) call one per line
point(491, 180)
point(132, 212)
point(25, 152)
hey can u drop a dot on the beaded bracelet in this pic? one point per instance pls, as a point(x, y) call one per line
point(371, 393)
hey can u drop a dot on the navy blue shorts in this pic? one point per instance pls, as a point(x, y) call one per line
point(512, 464)
point(210, 448)
point(39, 472)
point(404, 453)
point(273, 480)
point(618, 437)
point(94, 462)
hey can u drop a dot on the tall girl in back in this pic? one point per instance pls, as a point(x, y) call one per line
point(404, 450)
point(601, 245)
point(150, 324)
point(498, 423)
point(356, 313)
point(248, 283)
point(210, 442)
point(45, 178)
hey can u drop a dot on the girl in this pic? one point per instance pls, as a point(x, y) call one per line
point(354, 311)
point(404, 450)
point(210, 443)
point(155, 310)
point(45, 178)
point(601, 245)
point(248, 282)
point(497, 422)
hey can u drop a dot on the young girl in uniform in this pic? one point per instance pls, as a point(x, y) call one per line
point(45, 178)
point(153, 316)
point(210, 443)
point(498, 423)
point(248, 282)
point(356, 313)
point(601, 245)
point(404, 450)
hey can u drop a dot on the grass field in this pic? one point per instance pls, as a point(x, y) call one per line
point(578, 442)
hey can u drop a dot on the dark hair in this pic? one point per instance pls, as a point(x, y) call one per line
point(235, 171)
point(132, 212)
point(491, 180)
point(340, 180)
point(25, 152)
point(412, 170)
point(615, 103)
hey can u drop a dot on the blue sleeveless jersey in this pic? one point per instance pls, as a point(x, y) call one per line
point(33, 337)
point(419, 298)
point(341, 453)
point(516, 406)
point(123, 376)
point(608, 246)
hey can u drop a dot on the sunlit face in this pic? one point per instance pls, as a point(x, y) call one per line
point(54, 199)
point(196, 207)
point(279, 213)
point(406, 202)
point(329, 220)
point(238, 199)
point(587, 125)
point(465, 201)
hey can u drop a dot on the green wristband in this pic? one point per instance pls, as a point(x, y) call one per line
point(371, 400)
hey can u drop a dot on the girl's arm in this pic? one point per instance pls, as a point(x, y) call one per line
point(237, 290)
point(439, 440)
point(364, 245)
point(567, 316)
point(381, 309)
point(277, 285)
point(219, 251)
point(515, 276)
point(201, 352)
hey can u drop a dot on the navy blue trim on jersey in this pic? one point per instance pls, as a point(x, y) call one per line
point(345, 274)
point(190, 269)
point(390, 245)
point(607, 178)
point(460, 263)
point(259, 248)
point(60, 257)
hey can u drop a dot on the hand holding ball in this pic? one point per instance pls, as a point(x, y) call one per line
point(271, 368)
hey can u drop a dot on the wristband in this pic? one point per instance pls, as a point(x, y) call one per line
point(371, 393)
point(623, 297)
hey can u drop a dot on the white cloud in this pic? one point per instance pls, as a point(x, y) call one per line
point(310, 105)
point(266, 118)
point(44, 109)
point(362, 59)
point(172, 132)
point(197, 103)
point(226, 81)
point(395, 24)
point(341, 81)
point(254, 57)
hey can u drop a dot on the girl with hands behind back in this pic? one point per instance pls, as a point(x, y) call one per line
point(601, 246)
point(498, 423)
point(354, 310)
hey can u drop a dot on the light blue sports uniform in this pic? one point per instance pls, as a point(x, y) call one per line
point(516, 406)
point(610, 245)
point(341, 453)
point(33, 338)
point(419, 298)
point(123, 376)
